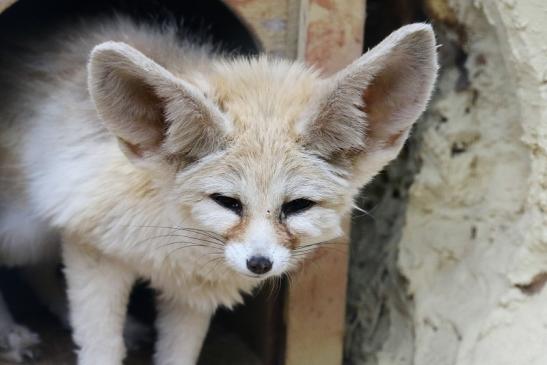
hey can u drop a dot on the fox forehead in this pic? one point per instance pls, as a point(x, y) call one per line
point(263, 95)
point(265, 98)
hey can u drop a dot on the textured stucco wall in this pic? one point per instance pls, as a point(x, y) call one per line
point(471, 257)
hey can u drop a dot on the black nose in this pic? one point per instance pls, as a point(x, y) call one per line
point(259, 265)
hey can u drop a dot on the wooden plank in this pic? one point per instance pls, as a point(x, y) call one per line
point(331, 36)
point(268, 19)
point(315, 308)
point(332, 32)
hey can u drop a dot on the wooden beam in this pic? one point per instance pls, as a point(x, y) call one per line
point(315, 308)
point(330, 37)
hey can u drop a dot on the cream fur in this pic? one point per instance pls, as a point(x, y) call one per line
point(120, 166)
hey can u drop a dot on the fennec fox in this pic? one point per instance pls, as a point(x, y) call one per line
point(204, 174)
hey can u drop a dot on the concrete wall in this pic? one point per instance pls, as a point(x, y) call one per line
point(456, 276)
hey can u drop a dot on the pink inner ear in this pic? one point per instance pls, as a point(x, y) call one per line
point(384, 99)
point(131, 109)
point(147, 116)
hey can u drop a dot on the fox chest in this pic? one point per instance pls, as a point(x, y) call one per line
point(199, 288)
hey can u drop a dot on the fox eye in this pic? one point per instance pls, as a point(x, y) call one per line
point(296, 206)
point(227, 202)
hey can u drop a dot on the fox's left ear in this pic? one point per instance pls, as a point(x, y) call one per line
point(156, 116)
point(370, 106)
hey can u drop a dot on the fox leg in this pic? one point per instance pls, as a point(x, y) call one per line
point(16, 342)
point(51, 290)
point(98, 292)
point(181, 331)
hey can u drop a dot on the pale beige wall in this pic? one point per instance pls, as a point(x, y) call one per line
point(474, 246)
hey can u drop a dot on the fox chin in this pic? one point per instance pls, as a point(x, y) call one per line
point(205, 174)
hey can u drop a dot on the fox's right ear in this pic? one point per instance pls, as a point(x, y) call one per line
point(154, 114)
point(367, 109)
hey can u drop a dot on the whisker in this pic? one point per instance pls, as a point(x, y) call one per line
point(326, 243)
point(279, 281)
point(292, 281)
point(270, 290)
point(196, 244)
point(214, 260)
point(177, 235)
point(315, 267)
point(185, 246)
point(203, 232)
point(225, 269)
point(199, 239)
point(310, 250)
point(209, 234)
point(273, 285)
point(279, 286)
point(365, 212)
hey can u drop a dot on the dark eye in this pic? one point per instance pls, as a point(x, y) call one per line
point(296, 206)
point(229, 203)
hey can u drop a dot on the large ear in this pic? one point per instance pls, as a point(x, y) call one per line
point(152, 113)
point(368, 108)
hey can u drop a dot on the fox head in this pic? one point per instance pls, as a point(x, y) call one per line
point(264, 156)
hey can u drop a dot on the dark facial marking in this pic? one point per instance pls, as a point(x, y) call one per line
point(285, 237)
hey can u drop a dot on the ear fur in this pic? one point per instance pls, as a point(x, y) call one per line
point(151, 112)
point(370, 106)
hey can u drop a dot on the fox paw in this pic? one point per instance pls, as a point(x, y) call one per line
point(18, 344)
